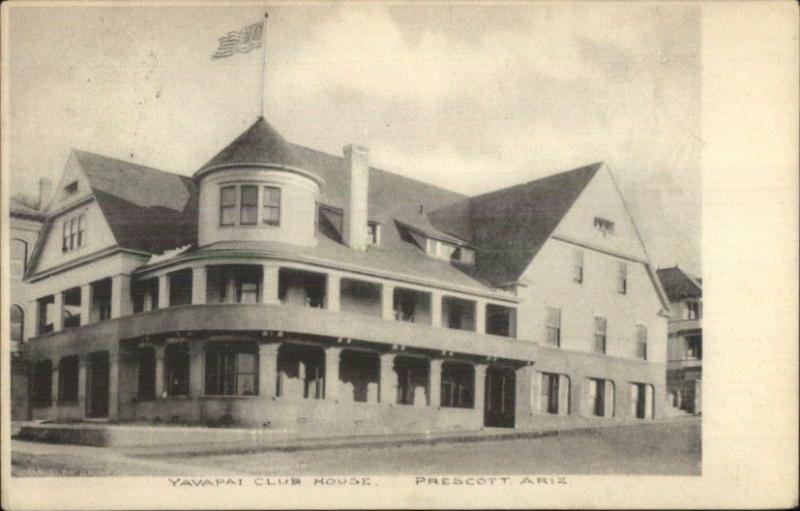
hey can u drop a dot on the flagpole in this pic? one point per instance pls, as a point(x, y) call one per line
point(264, 68)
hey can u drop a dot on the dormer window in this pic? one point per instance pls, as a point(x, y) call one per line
point(71, 189)
point(464, 255)
point(373, 233)
point(603, 225)
point(450, 251)
point(73, 233)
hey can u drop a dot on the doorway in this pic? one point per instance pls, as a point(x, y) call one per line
point(97, 385)
point(500, 397)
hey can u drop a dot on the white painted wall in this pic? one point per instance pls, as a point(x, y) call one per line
point(299, 196)
point(98, 236)
point(602, 199)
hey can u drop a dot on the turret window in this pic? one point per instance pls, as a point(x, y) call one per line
point(227, 211)
point(249, 213)
point(271, 214)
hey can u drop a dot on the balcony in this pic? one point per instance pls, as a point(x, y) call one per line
point(231, 318)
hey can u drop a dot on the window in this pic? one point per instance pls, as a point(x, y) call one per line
point(71, 188)
point(180, 288)
point(249, 204)
point(641, 401)
point(227, 205)
point(176, 366)
point(68, 380)
point(694, 347)
point(622, 278)
point(550, 391)
point(500, 320)
point(641, 342)
point(554, 326)
point(231, 371)
point(603, 225)
point(17, 323)
point(41, 383)
point(601, 397)
point(694, 309)
point(271, 214)
point(247, 292)
point(577, 266)
point(146, 388)
point(373, 233)
point(600, 326)
point(101, 300)
point(18, 253)
point(73, 233)
point(457, 385)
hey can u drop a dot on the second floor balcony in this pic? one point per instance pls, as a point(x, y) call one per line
point(273, 283)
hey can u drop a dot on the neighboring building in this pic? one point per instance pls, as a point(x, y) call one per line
point(285, 287)
point(25, 221)
point(685, 345)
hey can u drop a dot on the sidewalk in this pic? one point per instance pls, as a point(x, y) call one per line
point(151, 441)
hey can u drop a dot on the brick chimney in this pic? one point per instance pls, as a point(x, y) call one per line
point(356, 168)
point(45, 192)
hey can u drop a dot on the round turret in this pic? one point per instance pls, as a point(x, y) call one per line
point(257, 189)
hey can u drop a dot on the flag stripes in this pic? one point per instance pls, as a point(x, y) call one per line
point(241, 41)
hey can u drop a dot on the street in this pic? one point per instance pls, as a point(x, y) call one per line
point(669, 449)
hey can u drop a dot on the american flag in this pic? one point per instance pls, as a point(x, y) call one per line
point(240, 41)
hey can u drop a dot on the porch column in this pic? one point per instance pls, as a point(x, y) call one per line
point(195, 369)
point(480, 316)
point(269, 285)
point(480, 387)
point(388, 383)
point(435, 383)
point(54, 382)
point(332, 355)
point(436, 309)
point(113, 383)
point(86, 304)
point(163, 291)
point(387, 301)
point(82, 385)
point(31, 320)
point(58, 311)
point(333, 291)
point(158, 387)
point(198, 285)
point(522, 400)
point(121, 303)
point(268, 370)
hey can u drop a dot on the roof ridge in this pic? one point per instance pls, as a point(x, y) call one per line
point(593, 166)
point(78, 152)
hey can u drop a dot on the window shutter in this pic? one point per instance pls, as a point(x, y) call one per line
point(648, 401)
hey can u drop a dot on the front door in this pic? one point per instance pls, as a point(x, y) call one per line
point(97, 385)
point(500, 393)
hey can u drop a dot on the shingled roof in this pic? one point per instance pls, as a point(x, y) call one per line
point(260, 143)
point(678, 284)
point(508, 227)
point(147, 209)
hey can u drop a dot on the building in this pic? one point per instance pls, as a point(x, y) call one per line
point(287, 288)
point(685, 344)
point(26, 215)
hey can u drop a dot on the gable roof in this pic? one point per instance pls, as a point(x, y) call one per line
point(260, 143)
point(23, 207)
point(678, 284)
point(508, 227)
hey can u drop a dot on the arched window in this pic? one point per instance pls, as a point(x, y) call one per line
point(17, 323)
point(19, 256)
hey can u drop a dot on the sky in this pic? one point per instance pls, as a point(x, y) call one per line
point(472, 98)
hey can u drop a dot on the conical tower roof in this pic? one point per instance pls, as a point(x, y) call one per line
point(260, 144)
